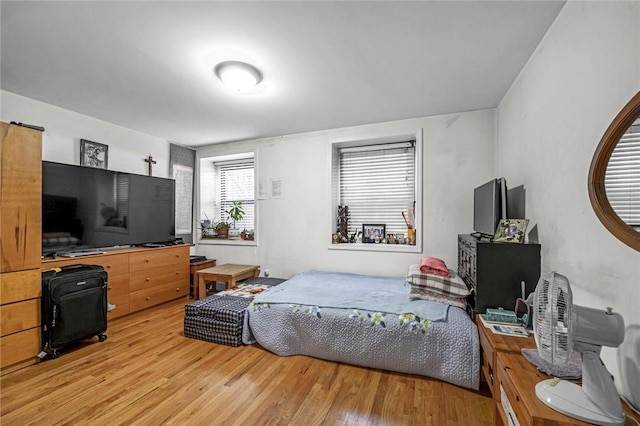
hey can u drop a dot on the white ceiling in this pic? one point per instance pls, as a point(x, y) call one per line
point(148, 66)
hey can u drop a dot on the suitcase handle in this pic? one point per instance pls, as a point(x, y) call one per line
point(59, 269)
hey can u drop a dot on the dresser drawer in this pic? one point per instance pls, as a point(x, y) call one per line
point(150, 297)
point(166, 274)
point(16, 286)
point(114, 264)
point(19, 346)
point(118, 286)
point(151, 259)
point(118, 294)
point(19, 316)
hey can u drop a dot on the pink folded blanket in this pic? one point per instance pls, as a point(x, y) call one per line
point(434, 266)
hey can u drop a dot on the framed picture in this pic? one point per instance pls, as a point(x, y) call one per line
point(373, 233)
point(93, 154)
point(511, 231)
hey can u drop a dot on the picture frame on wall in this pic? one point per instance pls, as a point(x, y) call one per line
point(94, 154)
point(511, 231)
point(373, 233)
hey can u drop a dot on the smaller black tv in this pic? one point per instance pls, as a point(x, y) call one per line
point(489, 206)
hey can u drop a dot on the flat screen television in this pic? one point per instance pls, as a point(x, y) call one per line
point(86, 208)
point(489, 206)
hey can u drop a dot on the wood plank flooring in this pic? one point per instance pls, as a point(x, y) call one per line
point(148, 373)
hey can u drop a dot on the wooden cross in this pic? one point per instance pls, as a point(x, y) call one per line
point(151, 162)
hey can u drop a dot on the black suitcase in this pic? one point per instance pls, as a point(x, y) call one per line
point(74, 306)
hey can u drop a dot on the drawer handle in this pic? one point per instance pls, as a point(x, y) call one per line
point(147, 298)
point(147, 279)
point(110, 287)
point(178, 289)
point(108, 266)
point(146, 260)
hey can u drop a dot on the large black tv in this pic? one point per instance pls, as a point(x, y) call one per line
point(85, 208)
point(489, 206)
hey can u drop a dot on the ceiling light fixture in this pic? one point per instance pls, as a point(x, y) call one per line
point(239, 76)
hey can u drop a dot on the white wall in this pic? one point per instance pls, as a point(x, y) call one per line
point(294, 231)
point(584, 71)
point(64, 129)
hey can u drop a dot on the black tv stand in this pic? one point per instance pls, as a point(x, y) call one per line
point(495, 271)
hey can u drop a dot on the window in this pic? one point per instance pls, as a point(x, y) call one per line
point(622, 179)
point(378, 180)
point(224, 180)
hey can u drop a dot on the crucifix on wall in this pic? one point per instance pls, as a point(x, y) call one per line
point(151, 162)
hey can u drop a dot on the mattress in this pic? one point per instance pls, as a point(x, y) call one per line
point(444, 347)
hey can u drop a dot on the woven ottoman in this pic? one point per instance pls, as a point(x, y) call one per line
point(219, 318)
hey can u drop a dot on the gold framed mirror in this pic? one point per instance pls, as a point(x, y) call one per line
point(620, 128)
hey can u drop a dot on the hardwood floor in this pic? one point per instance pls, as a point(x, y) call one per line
point(148, 373)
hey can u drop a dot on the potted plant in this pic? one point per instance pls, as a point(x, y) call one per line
point(205, 226)
point(222, 229)
point(235, 213)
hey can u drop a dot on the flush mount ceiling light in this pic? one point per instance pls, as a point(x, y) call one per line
point(239, 76)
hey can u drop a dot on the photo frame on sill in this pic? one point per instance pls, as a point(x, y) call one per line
point(94, 154)
point(373, 233)
point(511, 231)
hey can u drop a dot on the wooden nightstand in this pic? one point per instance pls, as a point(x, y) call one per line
point(492, 343)
point(195, 267)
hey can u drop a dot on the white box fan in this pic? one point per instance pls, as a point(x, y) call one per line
point(560, 327)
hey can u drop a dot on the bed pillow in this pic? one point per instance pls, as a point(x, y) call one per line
point(424, 294)
point(452, 285)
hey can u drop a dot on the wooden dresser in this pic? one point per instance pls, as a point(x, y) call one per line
point(491, 344)
point(20, 245)
point(139, 277)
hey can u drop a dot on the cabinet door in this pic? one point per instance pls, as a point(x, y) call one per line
point(21, 207)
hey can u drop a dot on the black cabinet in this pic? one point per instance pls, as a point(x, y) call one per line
point(495, 270)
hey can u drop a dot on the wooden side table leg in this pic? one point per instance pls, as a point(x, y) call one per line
point(202, 290)
point(256, 273)
point(231, 283)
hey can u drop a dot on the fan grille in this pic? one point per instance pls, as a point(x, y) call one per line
point(552, 324)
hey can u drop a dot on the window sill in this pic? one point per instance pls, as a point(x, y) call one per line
point(388, 248)
point(228, 242)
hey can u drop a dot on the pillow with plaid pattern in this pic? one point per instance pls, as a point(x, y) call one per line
point(452, 285)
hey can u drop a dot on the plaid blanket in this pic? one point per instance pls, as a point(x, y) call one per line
point(448, 286)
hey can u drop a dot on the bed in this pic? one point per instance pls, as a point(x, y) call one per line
point(368, 321)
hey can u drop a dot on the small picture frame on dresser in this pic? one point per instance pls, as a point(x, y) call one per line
point(510, 231)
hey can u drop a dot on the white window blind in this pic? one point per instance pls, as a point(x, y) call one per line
point(377, 183)
point(622, 179)
point(235, 180)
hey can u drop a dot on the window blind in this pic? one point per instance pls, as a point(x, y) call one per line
point(377, 183)
point(236, 183)
point(622, 179)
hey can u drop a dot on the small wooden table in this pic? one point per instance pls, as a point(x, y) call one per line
point(195, 267)
point(228, 273)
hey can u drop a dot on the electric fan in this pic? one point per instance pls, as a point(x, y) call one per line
point(560, 327)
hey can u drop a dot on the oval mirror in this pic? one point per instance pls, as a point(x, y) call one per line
point(614, 176)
